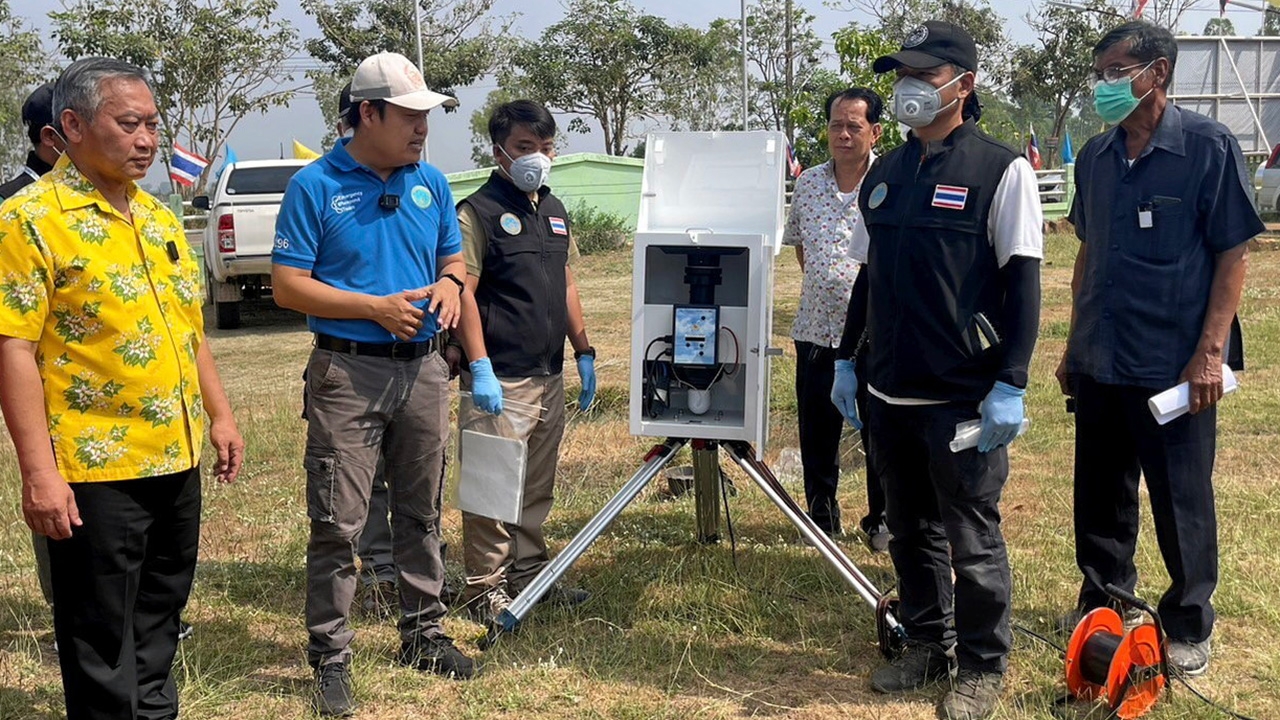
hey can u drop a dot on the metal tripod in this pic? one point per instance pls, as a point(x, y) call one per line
point(654, 461)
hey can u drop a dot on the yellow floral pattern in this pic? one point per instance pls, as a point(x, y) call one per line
point(116, 324)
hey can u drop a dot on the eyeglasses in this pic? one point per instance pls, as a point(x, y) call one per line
point(1113, 75)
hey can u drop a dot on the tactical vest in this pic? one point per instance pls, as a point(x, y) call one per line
point(936, 293)
point(522, 292)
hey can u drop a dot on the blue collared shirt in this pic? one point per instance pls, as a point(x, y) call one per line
point(1153, 230)
point(331, 224)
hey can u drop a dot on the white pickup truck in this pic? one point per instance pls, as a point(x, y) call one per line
point(1267, 181)
point(240, 232)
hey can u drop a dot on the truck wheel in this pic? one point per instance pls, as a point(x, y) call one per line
point(227, 315)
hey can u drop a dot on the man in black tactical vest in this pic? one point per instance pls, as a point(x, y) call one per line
point(949, 300)
point(517, 243)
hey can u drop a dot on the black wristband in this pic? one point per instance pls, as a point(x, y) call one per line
point(461, 285)
point(589, 352)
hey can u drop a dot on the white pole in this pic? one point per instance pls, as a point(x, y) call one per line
point(417, 36)
point(744, 64)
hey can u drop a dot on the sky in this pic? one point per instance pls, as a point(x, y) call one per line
point(262, 136)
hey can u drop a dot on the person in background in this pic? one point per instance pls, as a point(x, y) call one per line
point(824, 211)
point(47, 144)
point(1164, 213)
point(106, 381)
point(518, 243)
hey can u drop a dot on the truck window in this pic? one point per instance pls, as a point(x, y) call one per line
point(260, 180)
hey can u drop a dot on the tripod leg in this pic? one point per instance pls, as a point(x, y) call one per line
point(706, 488)
point(742, 454)
point(654, 461)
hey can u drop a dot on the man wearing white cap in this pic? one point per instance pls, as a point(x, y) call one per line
point(367, 245)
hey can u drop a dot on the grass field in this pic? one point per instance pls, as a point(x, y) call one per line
point(675, 629)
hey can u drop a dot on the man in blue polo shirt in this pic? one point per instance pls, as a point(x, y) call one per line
point(1163, 213)
point(367, 245)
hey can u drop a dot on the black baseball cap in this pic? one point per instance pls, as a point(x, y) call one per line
point(930, 45)
point(344, 100)
point(37, 111)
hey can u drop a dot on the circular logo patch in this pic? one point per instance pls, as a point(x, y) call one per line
point(510, 223)
point(877, 196)
point(918, 35)
point(421, 196)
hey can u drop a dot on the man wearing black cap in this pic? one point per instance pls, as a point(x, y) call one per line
point(949, 300)
point(46, 143)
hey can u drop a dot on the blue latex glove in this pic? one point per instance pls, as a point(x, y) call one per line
point(1001, 416)
point(486, 391)
point(844, 393)
point(587, 372)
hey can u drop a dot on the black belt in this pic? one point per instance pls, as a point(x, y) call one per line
point(393, 350)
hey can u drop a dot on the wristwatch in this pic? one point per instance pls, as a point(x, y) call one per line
point(461, 285)
point(589, 352)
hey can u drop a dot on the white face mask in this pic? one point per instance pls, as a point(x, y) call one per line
point(528, 172)
point(916, 103)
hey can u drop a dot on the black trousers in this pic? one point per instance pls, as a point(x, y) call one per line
point(1117, 441)
point(943, 511)
point(821, 426)
point(119, 584)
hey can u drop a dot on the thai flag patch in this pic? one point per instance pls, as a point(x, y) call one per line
point(951, 197)
point(557, 225)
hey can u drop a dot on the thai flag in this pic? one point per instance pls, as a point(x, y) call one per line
point(951, 197)
point(558, 226)
point(1033, 150)
point(793, 165)
point(185, 166)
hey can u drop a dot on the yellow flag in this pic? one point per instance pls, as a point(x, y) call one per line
point(302, 152)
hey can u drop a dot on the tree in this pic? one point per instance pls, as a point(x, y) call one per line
point(711, 97)
point(858, 47)
point(607, 62)
point(1270, 23)
point(767, 50)
point(22, 66)
point(212, 62)
point(896, 18)
point(1220, 26)
point(1055, 69)
point(461, 43)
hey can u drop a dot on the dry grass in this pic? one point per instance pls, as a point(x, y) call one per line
point(676, 629)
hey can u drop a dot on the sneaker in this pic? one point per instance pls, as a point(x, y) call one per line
point(1066, 624)
point(1188, 658)
point(486, 608)
point(437, 655)
point(974, 695)
point(917, 667)
point(878, 540)
point(332, 697)
point(380, 600)
point(185, 630)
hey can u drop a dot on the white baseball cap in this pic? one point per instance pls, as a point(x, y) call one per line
point(390, 76)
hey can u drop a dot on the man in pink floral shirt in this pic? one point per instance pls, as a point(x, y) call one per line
point(824, 212)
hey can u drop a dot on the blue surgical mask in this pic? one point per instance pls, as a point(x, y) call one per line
point(1115, 101)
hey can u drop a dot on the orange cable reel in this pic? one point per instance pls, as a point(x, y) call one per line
point(1124, 670)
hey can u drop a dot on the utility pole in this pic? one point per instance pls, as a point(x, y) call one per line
point(417, 37)
point(790, 91)
point(744, 64)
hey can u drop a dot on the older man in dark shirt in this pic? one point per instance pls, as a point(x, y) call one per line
point(1163, 213)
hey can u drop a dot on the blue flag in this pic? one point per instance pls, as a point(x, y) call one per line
point(228, 160)
point(1068, 152)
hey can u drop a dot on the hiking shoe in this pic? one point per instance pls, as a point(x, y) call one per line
point(486, 608)
point(1188, 658)
point(185, 630)
point(974, 695)
point(332, 696)
point(917, 667)
point(1066, 624)
point(380, 600)
point(878, 541)
point(437, 655)
point(561, 596)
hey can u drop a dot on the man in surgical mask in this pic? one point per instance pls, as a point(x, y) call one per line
point(946, 308)
point(517, 241)
point(1164, 213)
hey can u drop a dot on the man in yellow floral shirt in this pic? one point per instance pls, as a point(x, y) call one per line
point(104, 380)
